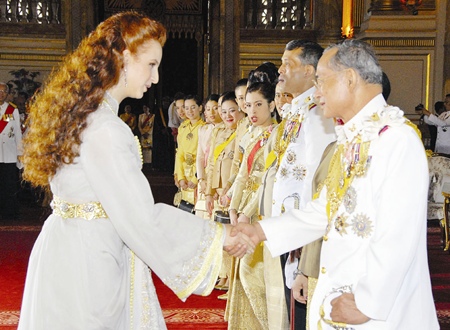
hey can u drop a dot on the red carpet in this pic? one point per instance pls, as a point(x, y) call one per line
point(15, 247)
point(197, 312)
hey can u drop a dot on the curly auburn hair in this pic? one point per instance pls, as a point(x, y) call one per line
point(58, 114)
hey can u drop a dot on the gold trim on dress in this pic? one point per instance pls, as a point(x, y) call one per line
point(86, 211)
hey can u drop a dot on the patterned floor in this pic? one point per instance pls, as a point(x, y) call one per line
point(172, 317)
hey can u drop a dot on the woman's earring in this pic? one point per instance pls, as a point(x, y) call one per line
point(125, 70)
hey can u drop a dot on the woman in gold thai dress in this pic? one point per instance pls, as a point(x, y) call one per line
point(241, 129)
point(186, 156)
point(219, 168)
point(213, 119)
point(247, 307)
point(145, 125)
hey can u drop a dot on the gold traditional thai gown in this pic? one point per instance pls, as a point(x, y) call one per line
point(145, 124)
point(277, 309)
point(242, 129)
point(129, 119)
point(185, 162)
point(203, 150)
point(218, 171)
point(247, 306)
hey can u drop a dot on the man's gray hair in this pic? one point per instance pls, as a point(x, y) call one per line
point(6, 85)
point(358, 55)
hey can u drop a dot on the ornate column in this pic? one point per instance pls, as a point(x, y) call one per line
point(446, 77)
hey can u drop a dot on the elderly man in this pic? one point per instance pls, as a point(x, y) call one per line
point(371, 211)
point(10, 149)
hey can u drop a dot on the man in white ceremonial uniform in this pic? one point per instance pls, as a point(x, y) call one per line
point(10, 149)
point(371, 211)
point(298, 145)
point(442, 122)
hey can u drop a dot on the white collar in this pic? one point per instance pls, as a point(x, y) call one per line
point(369, 121)
point(298, 103)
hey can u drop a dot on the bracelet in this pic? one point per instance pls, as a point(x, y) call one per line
point(333, 324)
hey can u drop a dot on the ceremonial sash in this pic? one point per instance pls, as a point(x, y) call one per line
point(8, 113)
point(271, 158)
point(146, 120)
point(127, 118)
point(251, 157)
point(218, 150)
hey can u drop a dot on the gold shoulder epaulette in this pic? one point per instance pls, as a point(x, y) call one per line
point(311, 105)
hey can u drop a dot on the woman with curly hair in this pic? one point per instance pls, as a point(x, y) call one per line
point(89, 266)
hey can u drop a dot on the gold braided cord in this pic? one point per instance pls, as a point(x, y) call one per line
point(285, 135)
point(280, 144)
point(349, 161)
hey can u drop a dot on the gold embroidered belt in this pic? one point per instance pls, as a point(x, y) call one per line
point(86, 211)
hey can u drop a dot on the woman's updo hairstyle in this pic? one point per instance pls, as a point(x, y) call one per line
point(266, 72)
point(266, 89)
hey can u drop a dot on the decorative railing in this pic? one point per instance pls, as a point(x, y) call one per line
point(278, 14)
point(30, 11)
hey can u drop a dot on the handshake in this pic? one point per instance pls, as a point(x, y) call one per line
point(242, 238)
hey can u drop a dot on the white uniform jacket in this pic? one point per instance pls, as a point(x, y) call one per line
point(293, 181)
point(443, 136)
point(377, 239)
point(11, 136)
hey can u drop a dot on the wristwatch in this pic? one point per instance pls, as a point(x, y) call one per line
point(297, 272)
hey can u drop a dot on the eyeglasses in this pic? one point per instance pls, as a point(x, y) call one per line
point(3, 92)
point(318, 82)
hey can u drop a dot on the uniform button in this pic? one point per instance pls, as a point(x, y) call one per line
point(323, 270)
point(273, 202)
point(275, 180)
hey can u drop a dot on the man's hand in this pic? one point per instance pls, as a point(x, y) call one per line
point(237, 245)
point(191, 185)
point(343, 309)
point(300, 283)
point(254, 232)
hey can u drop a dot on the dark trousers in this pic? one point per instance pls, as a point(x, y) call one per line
point(9, 188)
point(299, 309)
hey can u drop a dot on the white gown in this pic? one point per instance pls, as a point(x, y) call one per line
point(93, 274)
